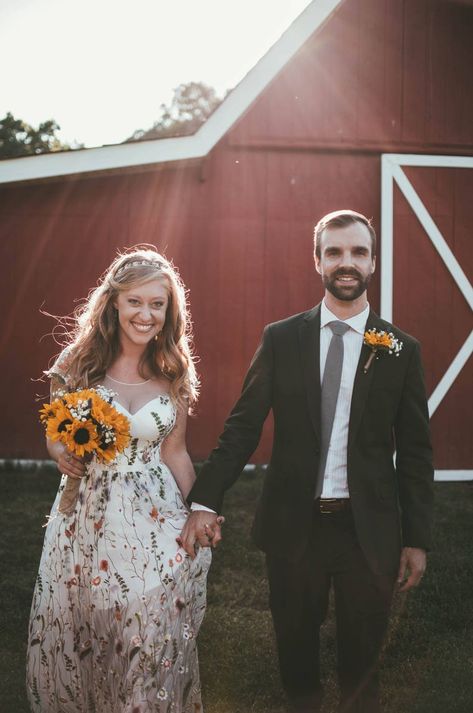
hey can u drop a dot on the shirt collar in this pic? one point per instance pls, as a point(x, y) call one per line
point(357, 323)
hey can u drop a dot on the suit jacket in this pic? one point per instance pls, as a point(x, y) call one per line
point(391, 502)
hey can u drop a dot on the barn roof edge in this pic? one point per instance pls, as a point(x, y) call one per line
point(198, 145)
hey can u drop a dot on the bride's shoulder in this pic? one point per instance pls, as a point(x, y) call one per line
point(62, 362)
point(58, 372)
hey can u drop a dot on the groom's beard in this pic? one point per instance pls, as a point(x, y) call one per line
point(346, 293)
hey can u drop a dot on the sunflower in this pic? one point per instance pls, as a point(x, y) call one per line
point(122, 439)
point(106, 449)
point(101, 410)
point(58, 423)
point(48, 411)
point(80, 403)
point(380, 340)
point(114, 433)
point(81, 437)
point(74, 398)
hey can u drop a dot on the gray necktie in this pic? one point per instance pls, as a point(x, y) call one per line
point(330, 388)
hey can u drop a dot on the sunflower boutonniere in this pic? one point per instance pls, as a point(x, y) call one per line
point(380, 341)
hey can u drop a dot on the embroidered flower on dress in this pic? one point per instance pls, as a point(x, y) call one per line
point(187, 633)
point(179, 603)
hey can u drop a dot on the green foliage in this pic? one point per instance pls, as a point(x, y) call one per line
point(17, 138)
point(190, 107)
point(427, 662)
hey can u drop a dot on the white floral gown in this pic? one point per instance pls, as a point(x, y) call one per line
point(117, 603)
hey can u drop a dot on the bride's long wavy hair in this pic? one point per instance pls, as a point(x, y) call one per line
point(94, 340)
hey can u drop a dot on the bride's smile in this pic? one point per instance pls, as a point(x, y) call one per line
point(142, 312)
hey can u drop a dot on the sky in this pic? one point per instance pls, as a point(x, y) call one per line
point(102, 68)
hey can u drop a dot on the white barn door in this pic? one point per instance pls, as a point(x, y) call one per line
point(396, 186)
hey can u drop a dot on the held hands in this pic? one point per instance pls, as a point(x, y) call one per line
point(202, 527)
point(411, 568)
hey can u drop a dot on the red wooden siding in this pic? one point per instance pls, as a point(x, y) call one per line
point(380, 76)
point(381, 73)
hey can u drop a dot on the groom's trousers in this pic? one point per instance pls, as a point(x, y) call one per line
point(299, 595)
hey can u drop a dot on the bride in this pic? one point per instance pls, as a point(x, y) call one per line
point(118, 603)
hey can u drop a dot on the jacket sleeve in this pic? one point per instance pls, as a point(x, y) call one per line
point(241, 433)
point(414, 458)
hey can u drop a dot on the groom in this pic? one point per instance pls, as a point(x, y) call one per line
point(335, 510)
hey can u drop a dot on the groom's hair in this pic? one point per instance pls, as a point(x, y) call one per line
point(340, 219)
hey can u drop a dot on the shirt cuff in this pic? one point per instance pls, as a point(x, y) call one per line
point(196, 506)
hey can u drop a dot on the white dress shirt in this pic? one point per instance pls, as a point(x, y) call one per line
point(335, 478)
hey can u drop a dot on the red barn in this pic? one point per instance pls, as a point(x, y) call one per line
point(366, 104)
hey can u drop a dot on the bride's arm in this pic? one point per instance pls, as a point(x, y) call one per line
point(67, 463)
point(175, 456)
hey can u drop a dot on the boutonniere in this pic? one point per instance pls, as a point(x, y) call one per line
point(380, 341)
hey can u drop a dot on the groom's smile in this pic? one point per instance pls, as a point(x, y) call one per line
point(346, 263)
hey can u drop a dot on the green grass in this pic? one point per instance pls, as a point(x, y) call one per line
point(428, 660)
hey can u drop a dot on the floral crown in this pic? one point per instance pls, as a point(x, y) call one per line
point(137, 263)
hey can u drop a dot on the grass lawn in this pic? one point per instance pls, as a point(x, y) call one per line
point(427, 663)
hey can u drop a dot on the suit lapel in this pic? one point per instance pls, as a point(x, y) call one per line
point(362, 381)
point(309, 340)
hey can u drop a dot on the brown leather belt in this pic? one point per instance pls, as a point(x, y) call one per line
point(329, 506)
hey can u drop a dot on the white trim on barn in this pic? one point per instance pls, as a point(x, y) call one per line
point(391, 171)
point(141, 153)
point(453, 475)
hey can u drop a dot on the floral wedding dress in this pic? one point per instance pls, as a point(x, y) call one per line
point(117, 603)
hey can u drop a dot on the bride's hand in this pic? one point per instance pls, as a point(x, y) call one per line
point(70, 464)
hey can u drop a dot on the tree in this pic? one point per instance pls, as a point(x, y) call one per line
point(190, 107)
point(17, 138)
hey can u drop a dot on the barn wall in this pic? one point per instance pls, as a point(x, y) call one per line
point(389, 73)
point(242, 239)
point(239, 224)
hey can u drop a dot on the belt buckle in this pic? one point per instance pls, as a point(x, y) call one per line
point(325, 502)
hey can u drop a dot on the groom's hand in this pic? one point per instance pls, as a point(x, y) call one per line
point(411, 568)
point(202, 527)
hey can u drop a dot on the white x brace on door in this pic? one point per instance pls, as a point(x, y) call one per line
point(391, 170)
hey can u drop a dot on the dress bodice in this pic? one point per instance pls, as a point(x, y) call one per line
point(149, 426)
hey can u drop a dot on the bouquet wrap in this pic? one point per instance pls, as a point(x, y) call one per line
point(69, 496)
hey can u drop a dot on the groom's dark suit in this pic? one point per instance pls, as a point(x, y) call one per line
point(390, 504)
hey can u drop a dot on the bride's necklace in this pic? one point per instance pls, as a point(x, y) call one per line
point(125, 383)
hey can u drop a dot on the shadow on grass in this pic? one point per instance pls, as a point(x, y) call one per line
point(427, 663)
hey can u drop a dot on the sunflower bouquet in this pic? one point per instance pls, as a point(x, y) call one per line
point(87, 423)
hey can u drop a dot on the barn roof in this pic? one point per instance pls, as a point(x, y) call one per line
point(140, 153)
